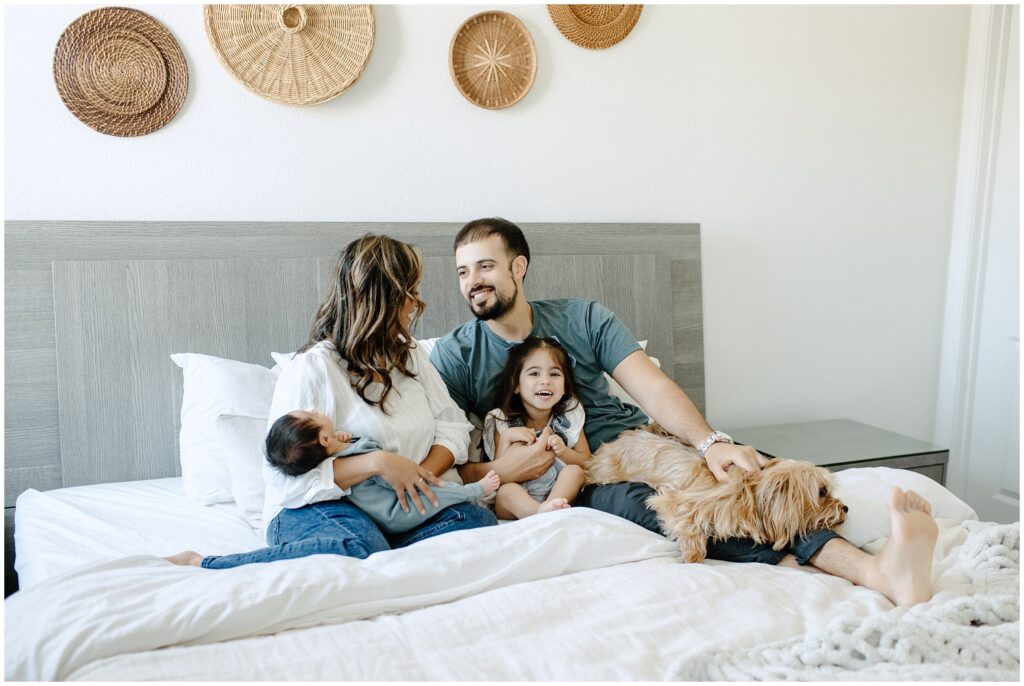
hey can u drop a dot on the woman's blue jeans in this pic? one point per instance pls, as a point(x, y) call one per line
point(338, 527)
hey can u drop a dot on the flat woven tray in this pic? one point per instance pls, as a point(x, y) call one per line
point(292, 54)
point(595, 26)
point(492, 60)
point(120, 71)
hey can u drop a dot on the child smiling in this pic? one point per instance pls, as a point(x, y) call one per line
point(536, 400)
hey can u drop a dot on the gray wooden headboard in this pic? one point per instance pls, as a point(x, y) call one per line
point(94, 309)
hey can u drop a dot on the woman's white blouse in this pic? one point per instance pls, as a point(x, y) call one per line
point(420, 415)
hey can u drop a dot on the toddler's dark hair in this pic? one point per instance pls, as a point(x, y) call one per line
point(293, 445)
point(505, 396)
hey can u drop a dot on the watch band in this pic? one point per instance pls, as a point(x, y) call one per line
point(715, 437)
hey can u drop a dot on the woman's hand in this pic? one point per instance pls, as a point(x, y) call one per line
point(407, 478)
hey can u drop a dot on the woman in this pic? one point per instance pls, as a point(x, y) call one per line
point(362, 368)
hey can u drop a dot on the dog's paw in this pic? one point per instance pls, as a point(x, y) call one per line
point(693, 556)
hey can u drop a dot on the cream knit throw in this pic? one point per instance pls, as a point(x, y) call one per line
point(972, 633)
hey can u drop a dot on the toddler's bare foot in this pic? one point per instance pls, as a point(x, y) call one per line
point(186, 558)
point(552, 505)
point(491, 482)
point(904, 571)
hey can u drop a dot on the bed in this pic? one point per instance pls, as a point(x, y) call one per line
point(572, 595)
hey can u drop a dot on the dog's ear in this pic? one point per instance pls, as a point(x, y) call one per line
point(779, 504)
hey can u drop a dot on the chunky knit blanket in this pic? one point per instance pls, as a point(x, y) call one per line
point(970, 630)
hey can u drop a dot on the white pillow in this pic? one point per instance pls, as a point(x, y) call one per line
point(427, 344)
point(242, 440)
point(215, 386)
point(280, 360)
point(618, 391)
point(866, 492)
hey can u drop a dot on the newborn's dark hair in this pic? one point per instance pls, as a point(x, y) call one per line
point(293, 445)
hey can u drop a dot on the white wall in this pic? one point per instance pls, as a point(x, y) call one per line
point(816, 146)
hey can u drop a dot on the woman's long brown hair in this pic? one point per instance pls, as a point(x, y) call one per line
point(361, 313)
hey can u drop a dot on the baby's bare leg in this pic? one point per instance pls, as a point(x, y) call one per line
point(490, 483)
point(513, 502)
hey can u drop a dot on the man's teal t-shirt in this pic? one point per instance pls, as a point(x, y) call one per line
point(471, 357)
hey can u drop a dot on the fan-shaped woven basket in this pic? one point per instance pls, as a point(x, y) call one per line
point(595, 26)
point(120, 71)
point(492, 60)
point(292, 54)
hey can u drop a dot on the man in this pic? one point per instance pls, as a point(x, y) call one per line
point(492, 259)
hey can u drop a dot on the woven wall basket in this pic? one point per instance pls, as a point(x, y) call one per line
point(120, 71)
point(492, 60)
point(292, 54)
point(595, 26)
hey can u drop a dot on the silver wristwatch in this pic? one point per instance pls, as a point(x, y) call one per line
point(715, 437)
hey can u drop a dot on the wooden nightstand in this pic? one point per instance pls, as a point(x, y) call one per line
point(842, 443)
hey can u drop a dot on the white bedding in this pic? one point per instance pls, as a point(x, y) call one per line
point(567, 596)
point(57, 531)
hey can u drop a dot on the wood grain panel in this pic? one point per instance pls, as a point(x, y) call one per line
point(28, 289)
point(28, 331)
point(30, 240)
point(41, 477)
point(31, 427)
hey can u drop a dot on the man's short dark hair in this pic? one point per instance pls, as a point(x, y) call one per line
point(511, 235)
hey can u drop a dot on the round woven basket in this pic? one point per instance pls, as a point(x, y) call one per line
point(292, 54)
point(120, 71)
point(595, 26)
point(492, 60)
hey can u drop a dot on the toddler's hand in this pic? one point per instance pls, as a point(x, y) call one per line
point(343, 436)
point(556, 444)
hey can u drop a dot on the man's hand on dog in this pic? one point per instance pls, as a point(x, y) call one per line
point(721, 456)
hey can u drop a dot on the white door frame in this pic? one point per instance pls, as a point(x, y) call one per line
point(987, 51)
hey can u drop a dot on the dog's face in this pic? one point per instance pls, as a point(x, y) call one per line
point(795, 498)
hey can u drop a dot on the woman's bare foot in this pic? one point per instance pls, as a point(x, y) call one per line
point(552, 505)
point(491, 482)
point(186, 558)
point(903, 571)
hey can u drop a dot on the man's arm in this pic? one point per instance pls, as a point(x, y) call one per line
point(517, 463)
point(667, 404)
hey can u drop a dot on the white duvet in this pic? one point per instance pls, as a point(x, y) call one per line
point(573, 595)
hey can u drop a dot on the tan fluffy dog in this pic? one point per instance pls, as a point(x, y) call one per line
point(784, 500)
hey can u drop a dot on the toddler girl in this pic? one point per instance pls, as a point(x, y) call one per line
point(300, 440)
point(536, 399)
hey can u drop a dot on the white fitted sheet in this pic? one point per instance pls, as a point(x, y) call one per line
point(60, 530)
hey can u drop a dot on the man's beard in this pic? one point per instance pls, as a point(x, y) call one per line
point(499, 309)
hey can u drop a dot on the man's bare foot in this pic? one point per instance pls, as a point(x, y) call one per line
point(903, 570)
point(186, 558)
point(491, 482)
point(552, 505)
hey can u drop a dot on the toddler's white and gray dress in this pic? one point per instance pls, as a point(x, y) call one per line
point(568, 426)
